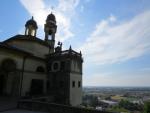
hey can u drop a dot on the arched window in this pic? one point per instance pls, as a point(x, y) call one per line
point(40, 69)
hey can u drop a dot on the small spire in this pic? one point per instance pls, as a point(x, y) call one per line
point(58, 43)
point(61, 44)
point(32, 18)
point(80, 53)
point(70, 48)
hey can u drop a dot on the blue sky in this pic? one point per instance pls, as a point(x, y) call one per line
point(114, 35)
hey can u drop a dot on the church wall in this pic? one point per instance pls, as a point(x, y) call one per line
point(76, 76)
point(27, 79)
point(32, 47)
point(14, 78)
point(76, 66)
point(31, 64)
point(30, 73)
point(75, 92)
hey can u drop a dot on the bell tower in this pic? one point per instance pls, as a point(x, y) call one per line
point(50, 29)
point(31, 27)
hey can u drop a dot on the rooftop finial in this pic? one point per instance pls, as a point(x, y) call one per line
point(80, 53)
point(32, 18)
point(70, 48)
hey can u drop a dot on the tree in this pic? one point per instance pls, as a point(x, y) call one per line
point(147, 107)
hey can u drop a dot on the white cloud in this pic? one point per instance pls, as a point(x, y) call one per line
point(112, 18)
point(111, 42)
point(64, 12)
point(65, 5)
point(37, 9)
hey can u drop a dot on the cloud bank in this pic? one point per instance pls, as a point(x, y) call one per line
point(111, 42)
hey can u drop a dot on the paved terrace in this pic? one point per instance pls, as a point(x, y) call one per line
point(8, 103)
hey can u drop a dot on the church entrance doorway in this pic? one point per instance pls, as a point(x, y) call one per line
point(36, 87)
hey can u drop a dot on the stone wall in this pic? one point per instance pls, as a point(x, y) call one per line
point(75, 92)
point(53, 108)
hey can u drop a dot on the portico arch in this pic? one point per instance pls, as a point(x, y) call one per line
point(7, 70)
point(8, 65)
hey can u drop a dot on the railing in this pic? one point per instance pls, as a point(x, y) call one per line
point(66, 52)
point(53, 108)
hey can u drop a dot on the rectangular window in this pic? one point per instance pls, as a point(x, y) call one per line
point(73, 83)
point(79, 83)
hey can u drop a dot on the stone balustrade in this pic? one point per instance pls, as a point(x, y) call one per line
point(53, 108)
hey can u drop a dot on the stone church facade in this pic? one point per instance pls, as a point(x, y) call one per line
point(30, 66)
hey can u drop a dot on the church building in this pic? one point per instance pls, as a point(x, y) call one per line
point(30, 66)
